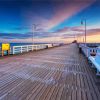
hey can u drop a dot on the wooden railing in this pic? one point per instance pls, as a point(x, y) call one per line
point(26, 48)
point(88, 51)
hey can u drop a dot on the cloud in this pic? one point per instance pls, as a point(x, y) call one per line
point(94, 30)
point(22, 28)
point(66, 29)
point(63, 30)
point(66, 9)
point(68, 32)
point(14, 36)
point(77, 29)
point(25, 29)
point(64, 36)
point(26, 35)
point(53, 13)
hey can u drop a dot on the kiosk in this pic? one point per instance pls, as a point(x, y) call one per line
point(5, 47)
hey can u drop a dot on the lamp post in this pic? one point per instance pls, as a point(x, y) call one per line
point(83, 22)
point(34, 30)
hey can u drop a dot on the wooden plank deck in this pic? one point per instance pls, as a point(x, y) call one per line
point(55, 74)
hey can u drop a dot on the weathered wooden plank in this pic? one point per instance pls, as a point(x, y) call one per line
point(54, 74)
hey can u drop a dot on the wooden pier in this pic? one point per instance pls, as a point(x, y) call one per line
point(59, 73)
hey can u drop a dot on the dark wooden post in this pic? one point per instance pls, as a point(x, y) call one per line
point(2, 53)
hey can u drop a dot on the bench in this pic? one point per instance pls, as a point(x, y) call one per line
point(96, 62)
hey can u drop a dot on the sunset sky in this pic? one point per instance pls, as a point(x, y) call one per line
point(56, 20)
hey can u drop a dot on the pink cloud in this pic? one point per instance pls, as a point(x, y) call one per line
point(62, 10)
point(66, 9)
point(78, 31)
point(68, 29)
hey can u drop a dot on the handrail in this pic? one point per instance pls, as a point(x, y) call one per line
point(27, 48)
point(88, 50)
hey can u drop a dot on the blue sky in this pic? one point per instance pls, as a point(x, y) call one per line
point(18, 16)
point(91, 13)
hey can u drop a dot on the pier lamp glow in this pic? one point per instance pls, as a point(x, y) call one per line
point(83, 22)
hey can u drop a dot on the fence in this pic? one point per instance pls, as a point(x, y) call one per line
point(26, 48)
point(88, 50)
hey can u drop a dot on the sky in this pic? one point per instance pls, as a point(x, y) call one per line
point(49, 20)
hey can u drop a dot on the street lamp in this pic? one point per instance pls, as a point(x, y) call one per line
point(83, 22)
point(34, 30)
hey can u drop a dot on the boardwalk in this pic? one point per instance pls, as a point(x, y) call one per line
point(55, 74)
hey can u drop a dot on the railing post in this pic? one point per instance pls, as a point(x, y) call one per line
point(87, 52)
point(13, 50)
point(10, 51)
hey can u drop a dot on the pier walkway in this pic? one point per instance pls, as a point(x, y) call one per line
point(59, 73)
